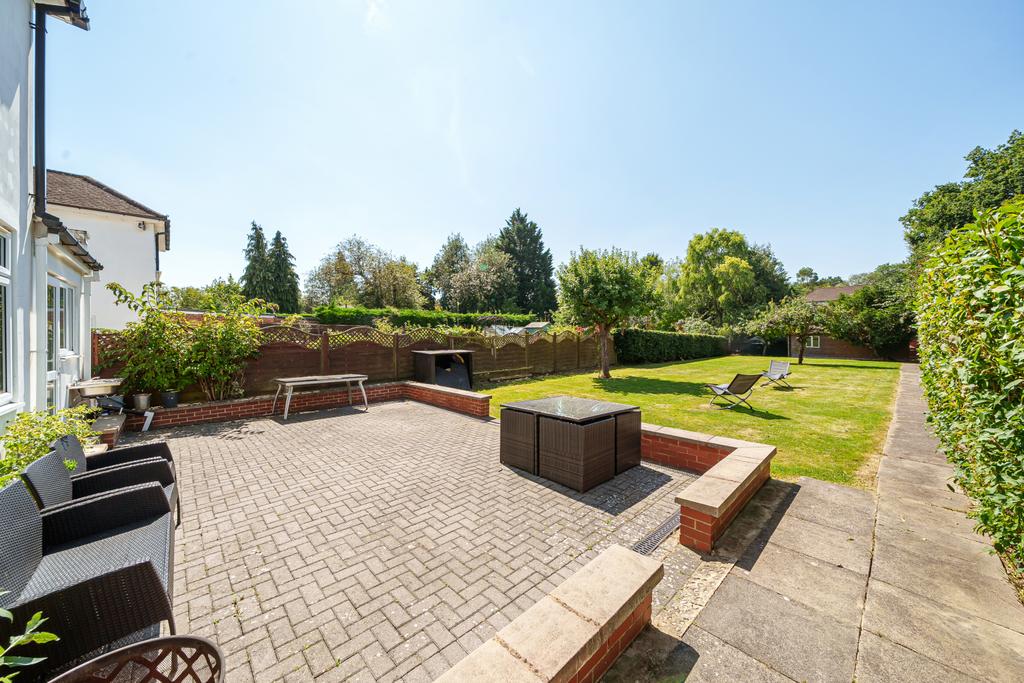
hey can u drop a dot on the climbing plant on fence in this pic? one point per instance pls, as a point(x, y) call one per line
point(971, 328)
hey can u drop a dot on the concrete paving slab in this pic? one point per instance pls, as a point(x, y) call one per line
point(884, 661)
point(949, 636)
point(930, 521)
point(824, 543)
point(937, 476)
point(945, 579)
point(832, 505)
point(892, 488)
point(802, 643)
point(817, 584)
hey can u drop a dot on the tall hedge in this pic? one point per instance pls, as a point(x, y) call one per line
point(650, 346)
point(971, 328)
point(335, 315)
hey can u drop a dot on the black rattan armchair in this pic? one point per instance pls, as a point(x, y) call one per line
point(100, 570)
point(48, 478)
point(70, 448)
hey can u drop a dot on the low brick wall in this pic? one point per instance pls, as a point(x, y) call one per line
point(467, 402)
point(577, 632)
point(682, 449)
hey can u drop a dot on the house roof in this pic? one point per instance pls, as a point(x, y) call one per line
point(823, 294)
point(83, 192)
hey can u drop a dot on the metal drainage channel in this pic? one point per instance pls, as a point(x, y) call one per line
point(647, 544)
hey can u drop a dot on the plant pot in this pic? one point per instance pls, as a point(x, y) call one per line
point(140, 401)
point(169, 399)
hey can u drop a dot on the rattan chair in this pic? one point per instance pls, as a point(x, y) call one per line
point(182, 659)
point(100, 570)
point(735, 392)
point(778, 371)
point(51, 482)
point(70, 448)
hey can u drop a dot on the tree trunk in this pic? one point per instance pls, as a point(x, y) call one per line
point(602, 332)
point(803, 345)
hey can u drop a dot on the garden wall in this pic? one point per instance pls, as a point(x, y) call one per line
point(291, 352)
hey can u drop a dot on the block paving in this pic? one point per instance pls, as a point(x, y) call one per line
point(385, 545)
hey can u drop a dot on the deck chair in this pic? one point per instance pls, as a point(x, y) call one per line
point(735, 392)
point(778, 371)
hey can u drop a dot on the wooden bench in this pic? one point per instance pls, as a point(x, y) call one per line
point(576, 632)
point(289, 384)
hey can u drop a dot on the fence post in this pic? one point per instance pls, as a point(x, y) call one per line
point(578, 342)
point(325, 353)
point(394, 354)
point(526, 350)
point(451, 341)
point(554, 352)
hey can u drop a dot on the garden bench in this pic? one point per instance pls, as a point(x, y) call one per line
point(289, 384)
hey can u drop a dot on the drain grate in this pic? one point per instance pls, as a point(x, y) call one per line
point(647, 544)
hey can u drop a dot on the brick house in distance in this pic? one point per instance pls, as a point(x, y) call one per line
point(823, 346)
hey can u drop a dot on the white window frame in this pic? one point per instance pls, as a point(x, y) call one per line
point(813, 342)
point(6, 359)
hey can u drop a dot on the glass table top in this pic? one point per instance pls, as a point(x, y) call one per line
point(570, 408)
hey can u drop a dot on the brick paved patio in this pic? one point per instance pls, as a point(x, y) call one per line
point(344, 545)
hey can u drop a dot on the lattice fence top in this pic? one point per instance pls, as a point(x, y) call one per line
point(419, 334)
point(283, 334)
point(362, 333)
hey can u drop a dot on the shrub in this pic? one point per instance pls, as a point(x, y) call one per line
point(29, 435)
point(219, 346)
point(649, 346)
point(151, 348)
point(970, 322)
point(336, 315)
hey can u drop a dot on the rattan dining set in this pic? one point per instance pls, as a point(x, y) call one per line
point(92, 548)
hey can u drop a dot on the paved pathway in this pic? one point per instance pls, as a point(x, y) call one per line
point(839, 584)
point(384, 545)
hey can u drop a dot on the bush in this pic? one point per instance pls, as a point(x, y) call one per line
point(219, 346)
point(336, 315)
point(649, 346)
point(970, 324)
point(28, 437)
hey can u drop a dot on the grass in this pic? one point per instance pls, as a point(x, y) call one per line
point(830, 426)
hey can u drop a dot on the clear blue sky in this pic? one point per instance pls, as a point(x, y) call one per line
point(810, 126)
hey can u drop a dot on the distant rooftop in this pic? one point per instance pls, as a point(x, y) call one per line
point(823, 294)
point(83, 192)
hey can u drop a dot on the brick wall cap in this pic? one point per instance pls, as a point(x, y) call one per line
point(610, 586)
point(553, 641)
point(490, 661)
point(721, 485)
point(725, 441)
point(448, 390)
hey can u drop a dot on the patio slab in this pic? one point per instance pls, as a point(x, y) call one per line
point(384, 545)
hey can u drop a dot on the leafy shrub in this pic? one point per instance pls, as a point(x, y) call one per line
point(650, 346)
point(970, 324)
point(694, 325)
point(336, 315)
point(29, 435)
point(219, 346)
point(30, 634)
point(152, 348)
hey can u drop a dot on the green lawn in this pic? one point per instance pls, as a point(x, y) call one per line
point(830, 426)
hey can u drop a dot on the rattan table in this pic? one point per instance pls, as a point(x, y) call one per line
point(577, 442)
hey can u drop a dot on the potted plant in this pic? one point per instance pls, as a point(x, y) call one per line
point(152, 348)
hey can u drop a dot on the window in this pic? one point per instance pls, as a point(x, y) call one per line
point(61, 322)
point(6, 318)
point(814, 342)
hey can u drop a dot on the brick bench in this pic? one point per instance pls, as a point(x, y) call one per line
point(708, 505)
point(575, 633)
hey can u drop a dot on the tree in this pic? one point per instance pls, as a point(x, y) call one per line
point(532, 264)
point(807, 280)
point(873, 317)
point(382, 280)
point(604, 289)
point(284, 281)
point(256, 282)
point(722, 279)
point(486, 282)
point(453, 258)
point(794, 317)
point(993, 176)
point(212, 297)
point(331, 282)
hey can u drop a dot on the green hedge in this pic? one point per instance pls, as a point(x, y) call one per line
point(971, 332)
point(649, 346)
point(334, 315)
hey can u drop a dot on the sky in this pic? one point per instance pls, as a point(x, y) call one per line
point(810, 126)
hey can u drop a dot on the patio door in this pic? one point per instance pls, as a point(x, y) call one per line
point(62, 354)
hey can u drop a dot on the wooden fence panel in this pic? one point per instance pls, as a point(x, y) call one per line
point(542, 354)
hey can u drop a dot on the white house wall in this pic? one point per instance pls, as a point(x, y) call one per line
point(126, 252)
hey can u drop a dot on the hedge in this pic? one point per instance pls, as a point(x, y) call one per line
point(335, 315)
point(971, 332)
point(649, 346)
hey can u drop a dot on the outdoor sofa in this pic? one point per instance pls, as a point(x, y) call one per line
point(100, 569)
point(70, 448)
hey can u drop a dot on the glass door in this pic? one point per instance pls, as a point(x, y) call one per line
point(61, 342)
